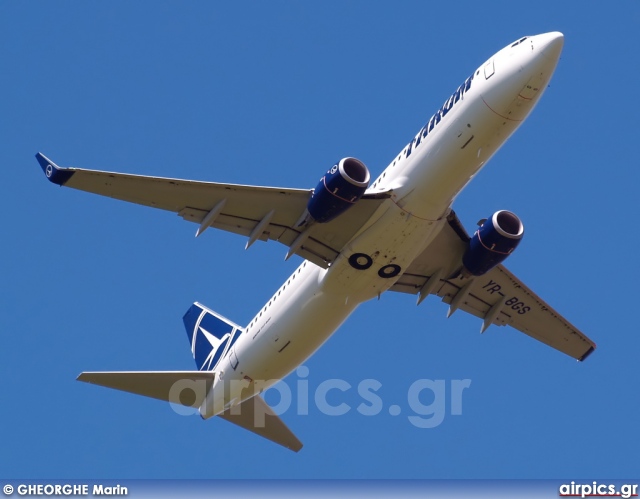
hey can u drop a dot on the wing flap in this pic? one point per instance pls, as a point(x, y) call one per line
point(325, 240)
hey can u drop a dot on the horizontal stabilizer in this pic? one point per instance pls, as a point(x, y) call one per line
point(189, 388)
point(256, 416)
point(179, 387)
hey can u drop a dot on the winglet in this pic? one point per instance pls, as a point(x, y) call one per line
point(54, 173)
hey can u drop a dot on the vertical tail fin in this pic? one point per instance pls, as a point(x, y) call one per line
point(210, 335)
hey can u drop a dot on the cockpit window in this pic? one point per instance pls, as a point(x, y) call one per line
point(519, 41)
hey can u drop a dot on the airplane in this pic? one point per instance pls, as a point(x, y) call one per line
point(358, 240)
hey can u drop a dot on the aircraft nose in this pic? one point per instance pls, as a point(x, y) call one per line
point(550, 44)
point(522, 72)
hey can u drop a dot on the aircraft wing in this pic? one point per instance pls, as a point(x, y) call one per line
point(260, 213)
point(498, 297)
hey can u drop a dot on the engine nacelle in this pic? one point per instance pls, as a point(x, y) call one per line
point(494, 241)
point(338, 190)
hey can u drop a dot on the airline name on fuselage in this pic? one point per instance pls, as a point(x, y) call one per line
point(439, 114)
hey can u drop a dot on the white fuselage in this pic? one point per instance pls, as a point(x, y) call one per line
point(424, 180)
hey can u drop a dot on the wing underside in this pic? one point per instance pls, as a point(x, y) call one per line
point(259, 213)
point(498, 297)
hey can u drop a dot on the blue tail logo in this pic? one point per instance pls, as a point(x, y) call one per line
point(210, 335)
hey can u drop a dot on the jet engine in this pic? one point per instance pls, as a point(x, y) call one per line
point(494, 241)
point(338, 189)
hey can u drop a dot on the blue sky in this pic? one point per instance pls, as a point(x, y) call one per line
point(272, 94)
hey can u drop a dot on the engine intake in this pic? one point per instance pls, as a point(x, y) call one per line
point(493, 242)
point(338, 189)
